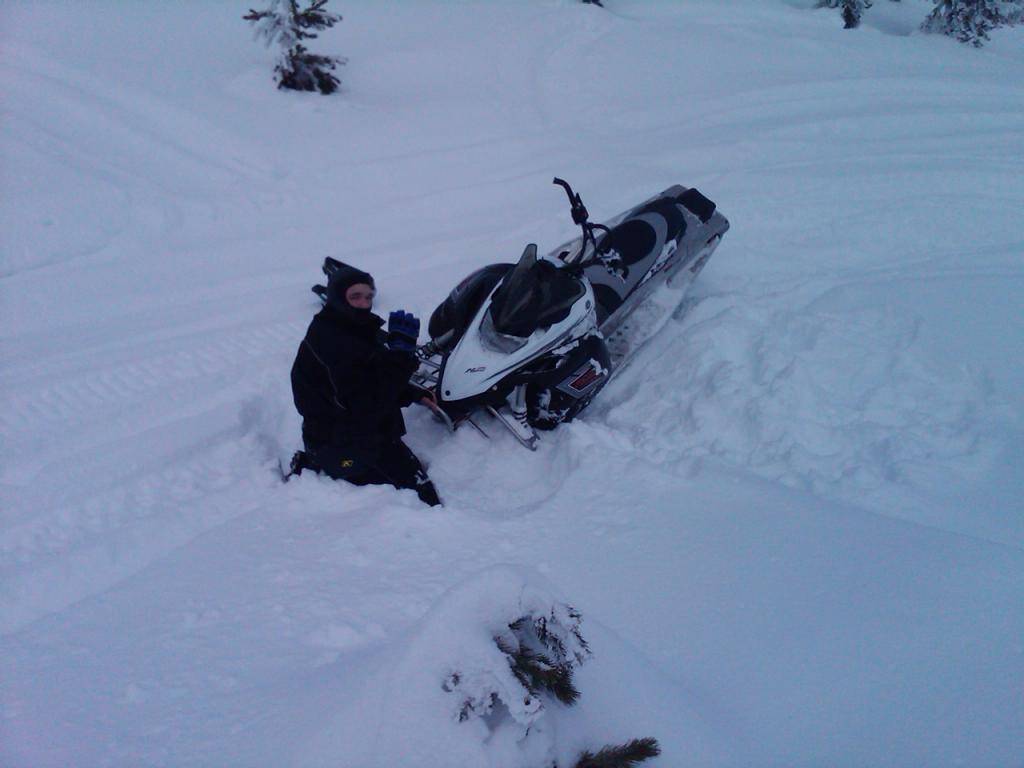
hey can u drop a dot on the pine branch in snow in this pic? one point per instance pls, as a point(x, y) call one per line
point(542, 652)
point(970, 21)
point(531, 663)
point(300, 70)
point(623, 756)
point(539, 674)
point(270, 26)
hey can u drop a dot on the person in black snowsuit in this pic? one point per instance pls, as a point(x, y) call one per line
point(350, 381)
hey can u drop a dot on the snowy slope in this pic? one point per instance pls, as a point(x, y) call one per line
point(793, 527)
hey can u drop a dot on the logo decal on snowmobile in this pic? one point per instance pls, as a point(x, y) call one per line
point(478, 369)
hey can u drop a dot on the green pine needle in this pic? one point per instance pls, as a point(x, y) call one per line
point(623, 756)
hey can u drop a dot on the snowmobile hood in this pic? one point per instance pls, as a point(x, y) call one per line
point(485, 355)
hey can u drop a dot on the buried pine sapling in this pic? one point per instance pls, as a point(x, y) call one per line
point(852, 10)
point(285, 24)
point(533, 671)
point(970, 21)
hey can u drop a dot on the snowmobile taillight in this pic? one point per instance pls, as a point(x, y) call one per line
point(585, 379)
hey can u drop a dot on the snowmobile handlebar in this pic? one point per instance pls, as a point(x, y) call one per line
point(579, 211)
point(581, 216)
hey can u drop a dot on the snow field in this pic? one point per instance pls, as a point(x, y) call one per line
point(792, 526)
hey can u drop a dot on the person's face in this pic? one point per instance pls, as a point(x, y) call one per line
point(360, 296)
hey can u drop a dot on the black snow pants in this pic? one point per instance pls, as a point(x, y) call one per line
point(394, 464)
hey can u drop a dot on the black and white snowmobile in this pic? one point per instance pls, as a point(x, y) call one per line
point(532, 343)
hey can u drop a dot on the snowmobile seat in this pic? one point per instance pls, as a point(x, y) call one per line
point(668, 209)
point(632, 240)
point(635, 238)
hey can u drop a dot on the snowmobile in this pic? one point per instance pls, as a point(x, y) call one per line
point(532, 343)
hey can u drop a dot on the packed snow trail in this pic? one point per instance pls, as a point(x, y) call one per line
point(793, 524)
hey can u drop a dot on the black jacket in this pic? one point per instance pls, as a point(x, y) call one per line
point(348, 386)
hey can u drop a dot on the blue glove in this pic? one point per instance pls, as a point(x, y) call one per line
point(403, 331)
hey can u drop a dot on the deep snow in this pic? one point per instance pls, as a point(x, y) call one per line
point(793, 526)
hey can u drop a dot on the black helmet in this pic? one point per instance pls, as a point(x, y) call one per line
point(340, 280)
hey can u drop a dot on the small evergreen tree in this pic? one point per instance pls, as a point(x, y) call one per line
point(969, 21)
point(851, 10)
point(540, 653)
point(285, 24)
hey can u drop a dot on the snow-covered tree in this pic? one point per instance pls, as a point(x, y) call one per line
point(285, 24)
point(529, 670)
point(969, 21)
point(851, 10)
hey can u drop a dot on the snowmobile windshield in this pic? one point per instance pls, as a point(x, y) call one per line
point(515, 302)
point(535, 294)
